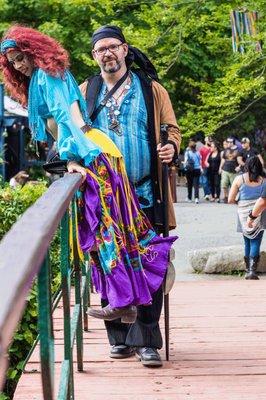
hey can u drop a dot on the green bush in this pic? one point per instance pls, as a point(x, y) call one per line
point(13, 203)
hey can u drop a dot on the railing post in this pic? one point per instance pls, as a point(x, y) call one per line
point(65, 272)
point(78, 276)
point(86, 291)
point(45, 323)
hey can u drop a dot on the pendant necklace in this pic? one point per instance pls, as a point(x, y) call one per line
point(113, 111)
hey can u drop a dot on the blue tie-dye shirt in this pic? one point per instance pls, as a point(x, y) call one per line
point(51, 97)
point(134, 142)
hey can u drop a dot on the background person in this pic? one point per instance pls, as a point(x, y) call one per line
point(192, 162)
point(247, 152)
point(225, 146)
point(237, 142)
point(181, 173)
point(204, 179)
point(199, 138)
point(250, 186)
point(213, 164)
point(228, 167)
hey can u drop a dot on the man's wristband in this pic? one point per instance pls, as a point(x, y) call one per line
point(251, 216)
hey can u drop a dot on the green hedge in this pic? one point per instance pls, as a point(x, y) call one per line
point(13, 203)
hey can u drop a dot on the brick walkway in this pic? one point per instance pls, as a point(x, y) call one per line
point(217, 351)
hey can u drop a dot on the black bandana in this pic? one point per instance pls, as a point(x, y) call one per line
point(134, 54)
point(107, 31)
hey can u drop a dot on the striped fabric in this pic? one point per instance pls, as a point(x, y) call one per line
point(134, 142)
point(243, 23)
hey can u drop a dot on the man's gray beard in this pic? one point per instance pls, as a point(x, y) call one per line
point(113, 69)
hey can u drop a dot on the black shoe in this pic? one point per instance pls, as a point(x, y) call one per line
point(149, 356)
point(121, 351)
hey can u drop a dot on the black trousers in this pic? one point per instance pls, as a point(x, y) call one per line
point(145, 332)
point(193, 181)
point(215, 184)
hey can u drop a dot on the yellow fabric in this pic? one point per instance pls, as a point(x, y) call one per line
point(104, 142)
point(71, 242)
point(80, 252)
point(108, 147)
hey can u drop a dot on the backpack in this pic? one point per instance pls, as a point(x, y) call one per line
point(189, 165)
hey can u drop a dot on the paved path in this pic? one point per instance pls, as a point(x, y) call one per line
point(217, 351)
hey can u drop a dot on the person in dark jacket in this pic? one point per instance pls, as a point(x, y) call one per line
point(213, 164)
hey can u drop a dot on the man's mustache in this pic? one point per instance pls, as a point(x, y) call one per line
point(106, 59)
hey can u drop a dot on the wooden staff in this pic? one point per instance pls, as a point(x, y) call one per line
point(164, 140)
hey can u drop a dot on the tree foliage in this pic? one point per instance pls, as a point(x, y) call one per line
point(213, 89)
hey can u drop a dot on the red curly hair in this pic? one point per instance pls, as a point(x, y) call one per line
point(45, 53)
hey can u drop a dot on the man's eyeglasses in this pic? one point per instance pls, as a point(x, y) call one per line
point(113, 48)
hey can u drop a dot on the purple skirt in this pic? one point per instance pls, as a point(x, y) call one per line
point(133, 259)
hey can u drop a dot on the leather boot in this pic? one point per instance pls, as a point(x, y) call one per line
point(127, 314)
point(253, 264)
point(246, 260)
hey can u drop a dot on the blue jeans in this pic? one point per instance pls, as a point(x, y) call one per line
point(204, 181)
point(252, 246)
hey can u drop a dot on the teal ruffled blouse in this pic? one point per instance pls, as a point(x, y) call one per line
point(51, 97)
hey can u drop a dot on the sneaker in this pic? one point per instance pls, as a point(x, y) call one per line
point(207, 197)
point(196, 200)
point(188, 200)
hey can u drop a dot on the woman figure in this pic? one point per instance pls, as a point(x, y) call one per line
point(213, 164)
point(193, 170)
point(249, 188)
point(132, 259)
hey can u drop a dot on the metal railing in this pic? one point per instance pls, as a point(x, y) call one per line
point(24, 255)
